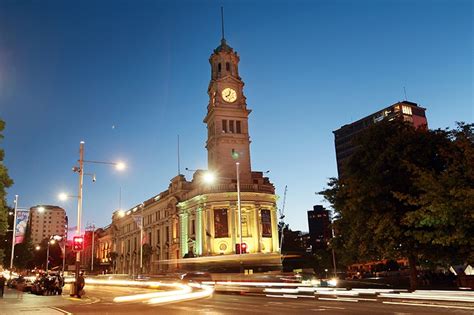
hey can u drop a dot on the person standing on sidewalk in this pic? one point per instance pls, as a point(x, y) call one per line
point(80, 284)
point(2, 284)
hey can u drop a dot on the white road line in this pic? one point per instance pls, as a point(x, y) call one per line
point(333, 307)
point(431, 305)
point(339, 300)
point(60, 310)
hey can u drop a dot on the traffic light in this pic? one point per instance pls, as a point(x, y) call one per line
point(78, 243)
point(242, 246)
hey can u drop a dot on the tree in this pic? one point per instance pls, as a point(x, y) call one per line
point(444, 208)
point(5, 182)
point(7, 245)
point(147, 253)
point(24, 252)
point(372, 218)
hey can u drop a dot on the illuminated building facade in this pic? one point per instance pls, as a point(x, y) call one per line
point(407, 111)
point(45, 221)
point(194, 224)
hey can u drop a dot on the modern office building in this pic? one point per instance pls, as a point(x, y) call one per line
point(46, 221)
point(407, 111)
point(319, 227)
point(198, 224)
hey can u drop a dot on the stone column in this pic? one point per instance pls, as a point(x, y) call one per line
point(204, 228)
point(258, 229)
point(199, 231)
point(274, 230)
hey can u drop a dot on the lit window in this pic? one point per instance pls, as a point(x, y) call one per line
point(406, 110)
point(224, 125)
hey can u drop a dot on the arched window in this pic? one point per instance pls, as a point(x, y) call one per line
point(219, 66)
point(227, 66)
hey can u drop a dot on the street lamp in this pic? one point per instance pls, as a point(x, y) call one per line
point(47, 254)
point(14, 232)
point(52, 240)
point(209, 177)
point(237, 164)
point(80, 170)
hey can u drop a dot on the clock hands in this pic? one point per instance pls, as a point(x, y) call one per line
point(229, 95)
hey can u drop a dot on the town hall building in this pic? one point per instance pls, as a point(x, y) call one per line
point(197, 224)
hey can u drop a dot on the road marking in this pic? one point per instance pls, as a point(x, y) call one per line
point(333, 307)
point(339, 300)
point(60, 310)
point(367, 299)
point(431, 305)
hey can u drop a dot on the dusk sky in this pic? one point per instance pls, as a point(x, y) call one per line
point(128, 76)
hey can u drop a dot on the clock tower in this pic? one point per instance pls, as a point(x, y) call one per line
point(228, 140)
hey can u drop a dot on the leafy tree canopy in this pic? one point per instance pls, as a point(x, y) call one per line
point(5, 182)
point(405, 192)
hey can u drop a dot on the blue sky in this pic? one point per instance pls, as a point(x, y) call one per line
point(71, 70)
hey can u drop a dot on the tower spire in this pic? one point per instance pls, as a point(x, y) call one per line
point(222, 22)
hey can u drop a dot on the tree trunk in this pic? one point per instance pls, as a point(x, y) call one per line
point(413, 272)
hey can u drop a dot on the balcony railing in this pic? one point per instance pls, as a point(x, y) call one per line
point(230, 187)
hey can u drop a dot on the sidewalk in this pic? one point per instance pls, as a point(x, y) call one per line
point(27, 303)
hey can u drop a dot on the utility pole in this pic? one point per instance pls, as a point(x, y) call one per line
point(237, 164)
point(92, 248)
point(79, 209)
point(14, 232)
point(64, 253)
point(282, 216)
point(141, 244)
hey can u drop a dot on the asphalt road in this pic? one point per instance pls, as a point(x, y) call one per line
point(99, 300)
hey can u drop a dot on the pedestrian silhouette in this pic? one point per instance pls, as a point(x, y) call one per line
point(2, 285)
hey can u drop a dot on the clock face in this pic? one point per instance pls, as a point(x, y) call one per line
point(229, 95)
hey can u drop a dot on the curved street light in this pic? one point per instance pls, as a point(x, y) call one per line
point(80, 170)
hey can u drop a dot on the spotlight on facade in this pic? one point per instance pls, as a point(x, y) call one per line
point(38, 247)
point(40, 209)
point(121, 213)
point(209, 177)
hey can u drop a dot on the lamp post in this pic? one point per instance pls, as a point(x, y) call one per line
point(47, 254)
point(237, 169)
point(51, 241)
point(14, 232)
point(92, 248)
point(79, 208)
point(80, 170)
point(64, 249)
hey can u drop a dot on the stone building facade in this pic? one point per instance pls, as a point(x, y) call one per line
point(194, 224)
